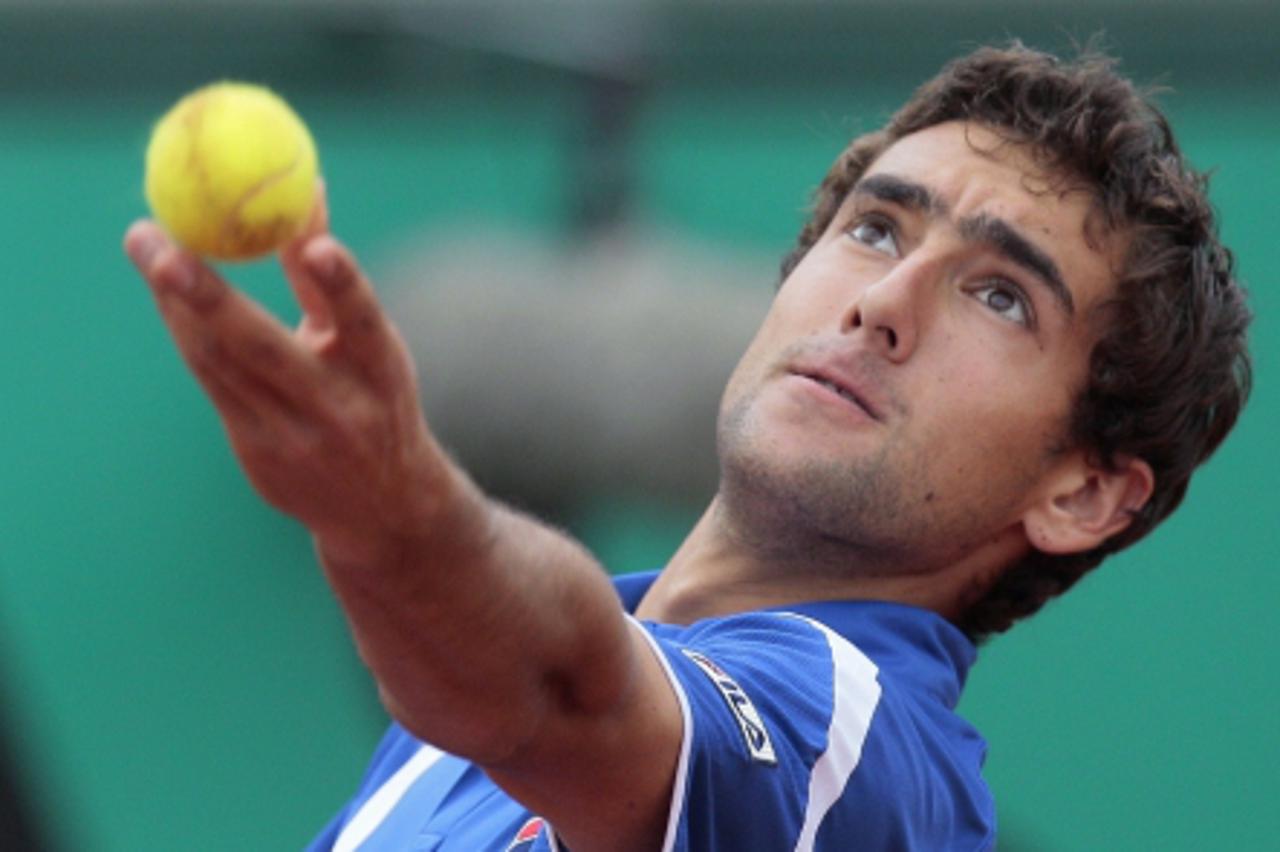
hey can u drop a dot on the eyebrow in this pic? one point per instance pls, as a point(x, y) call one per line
point(984, 228)
point(904, 193)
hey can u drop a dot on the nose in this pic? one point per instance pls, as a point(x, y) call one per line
point(890, 310)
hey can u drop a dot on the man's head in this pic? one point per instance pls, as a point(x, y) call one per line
point(1019, 278)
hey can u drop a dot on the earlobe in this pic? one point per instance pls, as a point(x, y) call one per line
point(1087, 505)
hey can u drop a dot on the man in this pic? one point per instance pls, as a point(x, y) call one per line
point(1004, 340)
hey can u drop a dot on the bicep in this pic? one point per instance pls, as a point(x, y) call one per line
point(604, 776)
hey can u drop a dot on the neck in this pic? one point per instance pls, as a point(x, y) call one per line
point(719, 572)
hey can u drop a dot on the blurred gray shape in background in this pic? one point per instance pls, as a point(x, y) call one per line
point(557, 374)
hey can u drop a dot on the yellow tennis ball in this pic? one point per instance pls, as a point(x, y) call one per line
point(231, 171)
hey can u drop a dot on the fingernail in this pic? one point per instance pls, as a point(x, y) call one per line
point(143, 250)
point(324, 265)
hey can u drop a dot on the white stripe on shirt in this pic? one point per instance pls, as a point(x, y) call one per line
point(856, 695)
point(682, 768)
point(377, 806)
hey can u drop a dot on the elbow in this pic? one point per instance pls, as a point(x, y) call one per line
point(488, 733)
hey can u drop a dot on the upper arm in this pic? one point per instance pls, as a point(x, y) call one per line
point(604, 778)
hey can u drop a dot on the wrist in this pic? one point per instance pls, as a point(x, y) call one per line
point(436, 522)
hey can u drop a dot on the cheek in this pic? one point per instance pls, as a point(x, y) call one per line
point(751, 367)
point(821, 289)
point(780, 329)
point(984, 417)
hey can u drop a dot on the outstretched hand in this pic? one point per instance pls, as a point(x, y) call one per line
point(323, 417)
point(325, 420)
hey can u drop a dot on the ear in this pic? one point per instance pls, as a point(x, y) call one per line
point(1084, 505)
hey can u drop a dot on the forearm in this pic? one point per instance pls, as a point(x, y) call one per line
point(480, 623)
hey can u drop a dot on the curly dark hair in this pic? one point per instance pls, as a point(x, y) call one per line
point(1170, 370)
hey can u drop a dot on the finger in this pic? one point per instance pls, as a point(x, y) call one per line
point(319, 220)
point(144, 243)
point(316, 319)
point(361, 327)
point(237, 409)
point(227, 339)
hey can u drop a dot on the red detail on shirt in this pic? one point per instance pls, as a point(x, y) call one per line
point(527, 833)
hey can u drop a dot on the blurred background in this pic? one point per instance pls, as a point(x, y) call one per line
point(576, 212)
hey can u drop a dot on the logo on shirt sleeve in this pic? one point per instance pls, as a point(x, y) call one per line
point(527, 834)
point(759, 747)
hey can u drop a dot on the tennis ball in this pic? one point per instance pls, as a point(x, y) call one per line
point(231, 171)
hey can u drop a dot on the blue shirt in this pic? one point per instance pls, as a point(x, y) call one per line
point(822, 726)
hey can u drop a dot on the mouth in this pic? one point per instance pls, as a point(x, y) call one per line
point(840, 388)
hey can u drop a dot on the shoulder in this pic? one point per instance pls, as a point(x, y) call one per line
point(796, 735)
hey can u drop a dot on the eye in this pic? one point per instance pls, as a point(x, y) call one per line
point(1007, 300)
point(877, 233)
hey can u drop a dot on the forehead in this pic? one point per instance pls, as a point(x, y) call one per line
point(972, 170)
point(968, 164)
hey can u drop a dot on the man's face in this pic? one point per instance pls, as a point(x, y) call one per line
point(910, 388)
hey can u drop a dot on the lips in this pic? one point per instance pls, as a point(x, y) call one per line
point(840, 384)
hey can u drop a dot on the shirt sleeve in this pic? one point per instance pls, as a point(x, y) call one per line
point(395, 748)
point(776, 710)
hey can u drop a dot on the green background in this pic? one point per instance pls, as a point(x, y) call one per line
point(175, 672)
